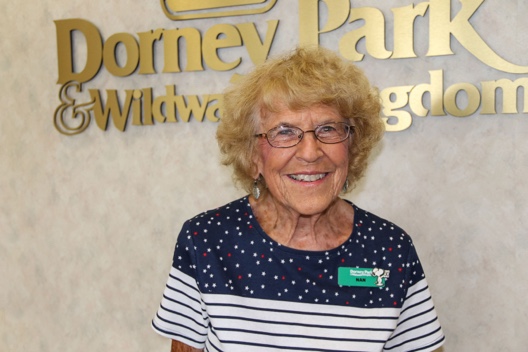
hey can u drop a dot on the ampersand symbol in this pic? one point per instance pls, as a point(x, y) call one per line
point(79, 113)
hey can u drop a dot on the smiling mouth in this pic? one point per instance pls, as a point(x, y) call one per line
point(307, 178)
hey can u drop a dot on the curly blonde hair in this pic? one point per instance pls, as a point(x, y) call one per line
point(298, 80)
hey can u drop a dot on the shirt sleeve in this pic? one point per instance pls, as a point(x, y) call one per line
point(418, 327)
point(181, 315)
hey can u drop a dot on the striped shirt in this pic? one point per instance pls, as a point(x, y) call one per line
point(232, 288)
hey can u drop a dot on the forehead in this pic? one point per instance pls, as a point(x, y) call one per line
point(308, 117)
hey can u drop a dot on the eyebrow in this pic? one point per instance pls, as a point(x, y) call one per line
point(287, 124)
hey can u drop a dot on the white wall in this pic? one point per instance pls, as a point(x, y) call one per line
point(88, 222)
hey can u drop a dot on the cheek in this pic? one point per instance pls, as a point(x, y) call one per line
point(271, 160)
point(263, 160)
point(340, 156)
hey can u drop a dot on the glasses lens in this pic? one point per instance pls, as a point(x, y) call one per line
point(284, 136)
point(289, 136)
point(332, 132)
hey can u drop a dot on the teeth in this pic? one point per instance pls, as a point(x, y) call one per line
point(307, 178)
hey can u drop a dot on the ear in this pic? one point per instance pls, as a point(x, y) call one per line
point(256, 166)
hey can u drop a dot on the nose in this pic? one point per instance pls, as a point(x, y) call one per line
point(309, 148)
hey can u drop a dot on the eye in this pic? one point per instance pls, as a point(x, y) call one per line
point(284, 132)
point(327, 129)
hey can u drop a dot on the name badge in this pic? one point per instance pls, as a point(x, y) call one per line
point(362, 277)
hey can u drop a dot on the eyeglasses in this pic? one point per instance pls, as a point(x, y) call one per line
point(284, 136)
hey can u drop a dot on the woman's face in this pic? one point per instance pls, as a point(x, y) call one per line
point(308, 177)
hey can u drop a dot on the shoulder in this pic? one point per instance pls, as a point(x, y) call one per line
point(368, 224)
point(218, 223)
point(230, 211)
point(212, 227)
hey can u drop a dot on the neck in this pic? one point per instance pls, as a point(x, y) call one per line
point(316, 232)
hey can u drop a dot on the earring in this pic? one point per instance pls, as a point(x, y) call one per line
point(345, 186)
point(256, 189)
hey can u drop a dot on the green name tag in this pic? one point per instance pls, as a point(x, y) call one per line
point(362, 277)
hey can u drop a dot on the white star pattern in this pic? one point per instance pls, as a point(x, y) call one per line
point(288, 273)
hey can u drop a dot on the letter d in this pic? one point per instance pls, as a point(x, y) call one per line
point(65, 55)
point(436, 91)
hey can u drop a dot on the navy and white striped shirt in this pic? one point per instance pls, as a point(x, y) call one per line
point(232, 288)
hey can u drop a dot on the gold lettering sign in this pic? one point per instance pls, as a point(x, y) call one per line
point(140, 50)
point(441, 28)
point(192, 9)
point(137, 107)
point(443, 100)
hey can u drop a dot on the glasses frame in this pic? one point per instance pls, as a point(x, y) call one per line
point(350, 130)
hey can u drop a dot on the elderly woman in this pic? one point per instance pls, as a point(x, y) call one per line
point(292, 266)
